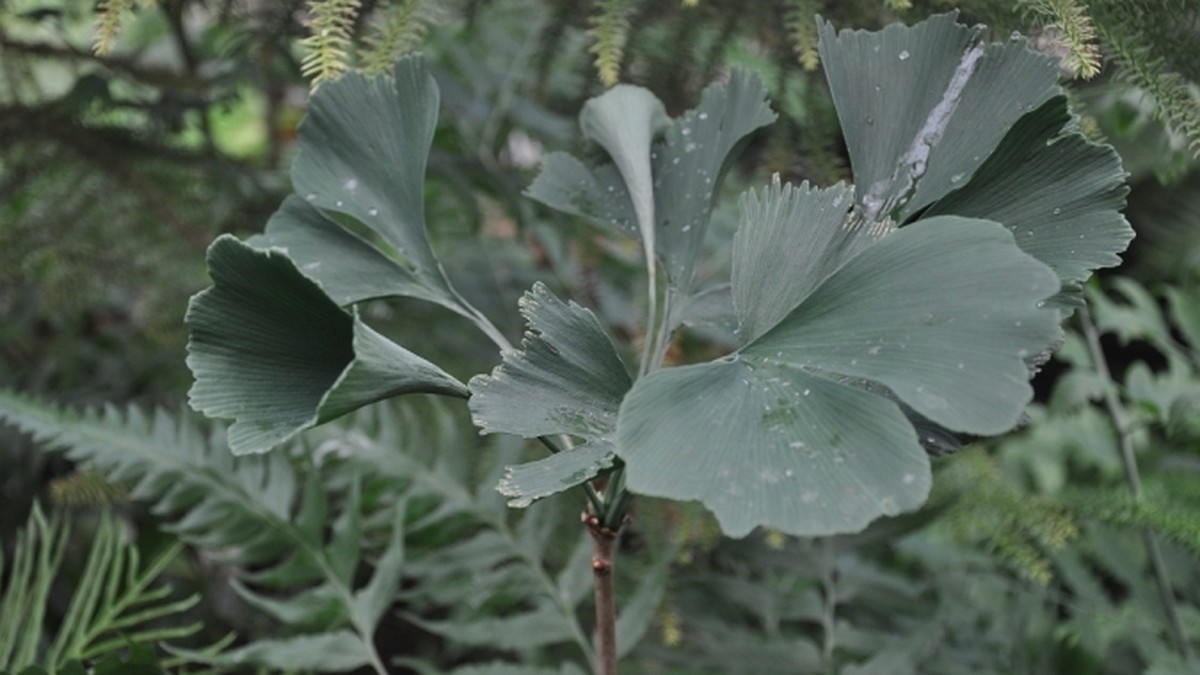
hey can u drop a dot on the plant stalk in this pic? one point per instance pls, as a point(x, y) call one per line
point(1121, 422)
point(603, 568)
point(829, 616)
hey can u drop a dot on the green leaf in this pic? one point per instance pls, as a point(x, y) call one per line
point(623, 121)
point(1058, 192)
point(348, 268)
point(942, 312)
point(784, 433)
point(371, 601)
point(531, 481)
point(251, 512)
point(688, 167)
point(521, 630)
point(922, 107)
point(1184, 309)
point(328, 652)
point(771, 445)
point(567, 379)
point(598, 194)
point(114, 603)
point(661, 193)
point(271, 350)
point(363, 149)
point(788, 241)
point(37, 554)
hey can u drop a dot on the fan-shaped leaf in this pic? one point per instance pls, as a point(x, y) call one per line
point(598, 194)
point(363, 149)
point(347, 267)
point(922, 107)
point(1058, 192)
point(623, 121)
point(771, 445)
point(567, 379)
point(271, 350)
point(671, 183)
point(529, 482)
point(941, 313)
point(696, 150)
point(788, 241)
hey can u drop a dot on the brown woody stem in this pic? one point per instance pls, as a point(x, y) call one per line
point(603, 567)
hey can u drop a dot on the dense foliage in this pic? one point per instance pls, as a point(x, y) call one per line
point(379, 540)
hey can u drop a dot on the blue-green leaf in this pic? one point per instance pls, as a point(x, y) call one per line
point(567, 379)
point(1057, 191)
point(348, 268)
point(363, 149)
point(271, 350)
point(623, 121)
point(942, 312)
point(785, 433)
point(773, 445)
point(688, 167)
point(922, 107)
point(789, 240)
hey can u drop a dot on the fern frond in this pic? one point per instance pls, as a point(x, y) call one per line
point(113, 605)
point(801, 23)
point(400, 27)
point(1177, 521)
point(610, 31)
point(477, 559)
point(330, 26)
point(254, 512)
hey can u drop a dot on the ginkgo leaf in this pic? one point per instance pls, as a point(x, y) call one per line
point(567, 379)
point(363, 149)
point(691, 161)
point(771, 445)
point(777, 263)
point(531, 481)
point(623, 121)
point(598, 194)
point(940, 313)
point(671, 182)
point(271, 350)
point(1057, 191)
point(922, 107)
point(348, 268)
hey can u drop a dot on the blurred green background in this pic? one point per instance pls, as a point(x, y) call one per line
point(118, 169)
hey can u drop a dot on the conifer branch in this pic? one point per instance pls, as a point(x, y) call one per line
point(331, 26)
point(400, 27)
point(108, 22)
point(610, 31)
point(801, 24)
point(1072, 26)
